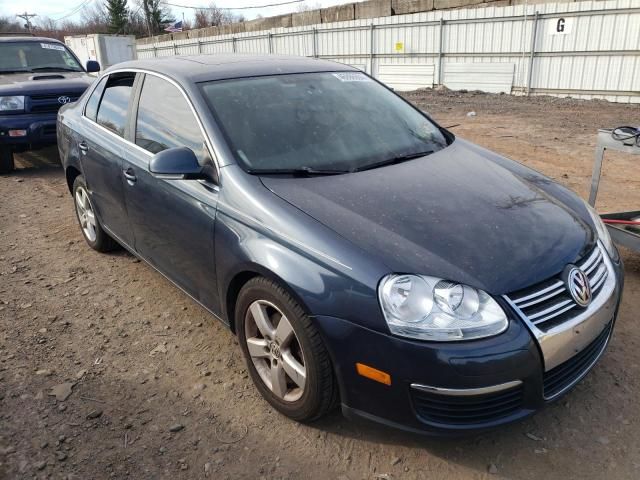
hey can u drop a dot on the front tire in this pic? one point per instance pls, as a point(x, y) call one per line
point(92, 231)
point(284, 353)
point(7, 164)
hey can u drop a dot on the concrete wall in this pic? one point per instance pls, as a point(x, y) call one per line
point(340, 13)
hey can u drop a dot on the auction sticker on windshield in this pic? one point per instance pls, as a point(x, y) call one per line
point(352, 77)
point(52, 46)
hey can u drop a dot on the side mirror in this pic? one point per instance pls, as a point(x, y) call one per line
point(179, 163)
point(92, 66)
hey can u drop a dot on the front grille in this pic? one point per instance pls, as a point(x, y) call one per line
point(467, 410)
point(48, 103)
point(565, 375)
point(549, 303)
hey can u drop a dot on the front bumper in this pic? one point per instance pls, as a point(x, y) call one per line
point(457, 387)
point(40, 128)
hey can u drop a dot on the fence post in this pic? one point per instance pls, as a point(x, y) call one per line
point(534, 34)
point(199, 46)
point(371, 49)
point(155, 51)
point(175, 48)
point(233, 44)
point(314, 39)
point(270, 39)
point(440, 50)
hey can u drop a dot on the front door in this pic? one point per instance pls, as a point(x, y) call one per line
point(172, 220)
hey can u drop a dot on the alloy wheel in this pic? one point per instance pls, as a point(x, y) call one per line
point(275, 350)
point(86, 215)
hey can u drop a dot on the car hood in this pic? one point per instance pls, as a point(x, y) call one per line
point(464, 213)
point(44, 82)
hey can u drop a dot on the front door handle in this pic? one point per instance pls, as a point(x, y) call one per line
point(84, 148)
point(129, 175)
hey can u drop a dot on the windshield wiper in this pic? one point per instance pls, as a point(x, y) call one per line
point(60, 69)
point(393, 160)
point(300, 171)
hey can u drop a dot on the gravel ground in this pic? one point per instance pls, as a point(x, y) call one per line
point(108, 371)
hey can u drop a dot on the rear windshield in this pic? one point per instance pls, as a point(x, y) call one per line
point(36, 56)
point(332, 120)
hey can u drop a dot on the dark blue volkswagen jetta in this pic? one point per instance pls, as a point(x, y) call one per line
point(362, 254)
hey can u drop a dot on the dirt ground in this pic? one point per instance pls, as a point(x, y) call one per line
point(160, 389)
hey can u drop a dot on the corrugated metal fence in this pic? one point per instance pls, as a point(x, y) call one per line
point(583, 49)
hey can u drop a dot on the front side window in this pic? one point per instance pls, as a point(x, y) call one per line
point(112, 112)
point(36, 57)
point(339, 121)
point(165, 120)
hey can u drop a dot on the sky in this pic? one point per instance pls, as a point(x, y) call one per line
point(65, 8)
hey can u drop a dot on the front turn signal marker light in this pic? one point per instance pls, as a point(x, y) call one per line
point(373, 374)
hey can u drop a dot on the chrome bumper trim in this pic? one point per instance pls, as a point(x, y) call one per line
point(467, 392)
point(582, 374)
point(567, 339)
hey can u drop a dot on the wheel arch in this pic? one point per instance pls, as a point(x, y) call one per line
point(71, 173)
point(241, 277)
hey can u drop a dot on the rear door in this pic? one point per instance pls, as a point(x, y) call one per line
point(172, 220)
point(101, 145)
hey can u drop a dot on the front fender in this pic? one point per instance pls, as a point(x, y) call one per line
point(327, 274)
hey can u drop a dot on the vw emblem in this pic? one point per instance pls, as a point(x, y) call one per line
point(578, 285)
point(63, 99)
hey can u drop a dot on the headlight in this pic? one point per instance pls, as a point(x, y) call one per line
point(603, 232)
point(11, 104)
point(429, 308)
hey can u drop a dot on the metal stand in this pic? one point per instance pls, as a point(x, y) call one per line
point(622, 236)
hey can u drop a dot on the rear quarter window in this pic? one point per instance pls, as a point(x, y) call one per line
point(91, 109)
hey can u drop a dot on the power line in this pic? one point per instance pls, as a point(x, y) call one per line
point(74, 10)
point(233, 8)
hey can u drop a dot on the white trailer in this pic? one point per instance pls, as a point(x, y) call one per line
point(106, 49)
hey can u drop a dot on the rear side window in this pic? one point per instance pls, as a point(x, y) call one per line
point(112, 112)
point(165, 120)
point(91, 110)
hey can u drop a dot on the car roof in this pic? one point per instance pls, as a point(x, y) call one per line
point(28, 39)
point(202, 68)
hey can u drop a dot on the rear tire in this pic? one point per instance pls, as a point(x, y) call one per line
point(6, 160)
point(307, 389)
point(92, 231)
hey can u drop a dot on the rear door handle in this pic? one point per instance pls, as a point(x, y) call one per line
point(129, 175)
point(84, 148)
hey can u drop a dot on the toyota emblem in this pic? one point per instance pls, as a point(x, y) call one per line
point(63, 100)
point(578, 285)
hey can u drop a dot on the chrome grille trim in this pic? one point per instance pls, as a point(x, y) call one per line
point(553, 299)
point(571, 331)
point(555, 313)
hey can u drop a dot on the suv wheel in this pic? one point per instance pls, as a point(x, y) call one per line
point(285, 355)
point(92, 231)
point(6, 160)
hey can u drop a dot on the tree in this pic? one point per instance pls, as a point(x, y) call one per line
point(214, 17)
point(11, 25)
point(156, 16)
point(118, 15)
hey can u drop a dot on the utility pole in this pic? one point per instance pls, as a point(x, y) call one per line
point(26, 17)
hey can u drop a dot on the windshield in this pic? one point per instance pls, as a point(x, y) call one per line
point(318, 122)
point(36, 56)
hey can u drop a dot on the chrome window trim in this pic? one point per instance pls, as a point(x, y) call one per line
point(560, 343)
point(467, 392)
point(209, 144)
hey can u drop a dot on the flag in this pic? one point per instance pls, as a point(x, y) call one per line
point(174, 27)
